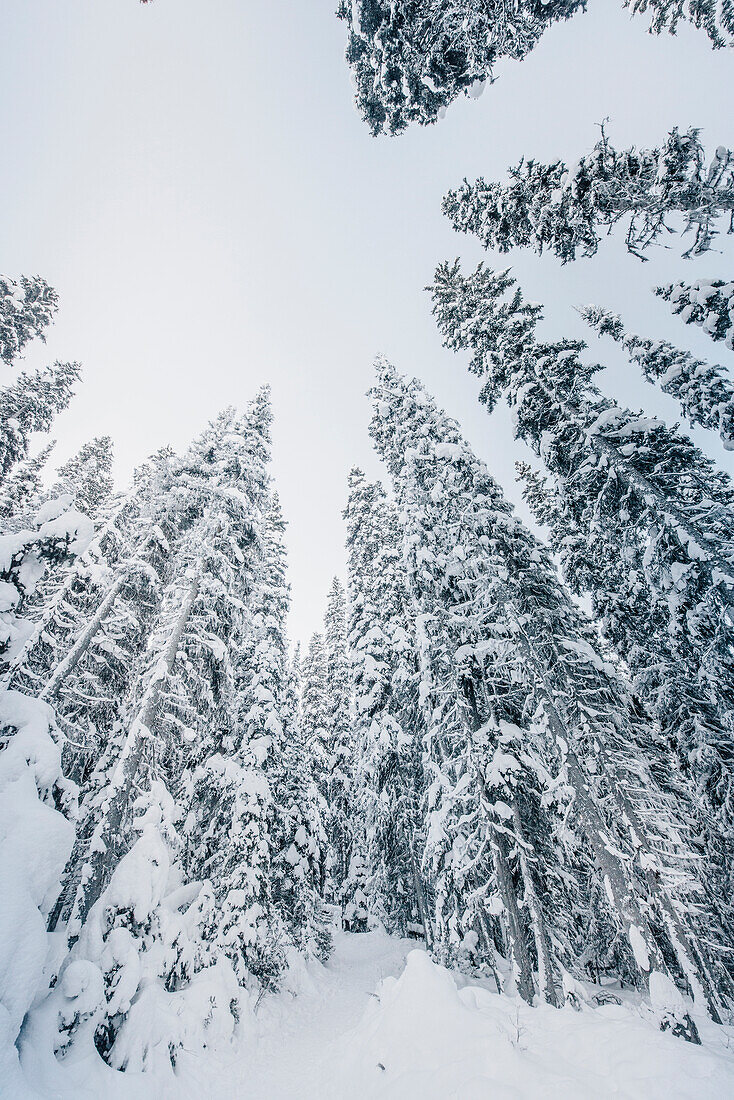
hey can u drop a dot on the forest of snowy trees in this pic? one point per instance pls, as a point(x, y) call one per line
point(514, 747)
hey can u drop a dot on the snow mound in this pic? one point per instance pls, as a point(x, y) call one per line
point(423, 1038)
point(35, 842)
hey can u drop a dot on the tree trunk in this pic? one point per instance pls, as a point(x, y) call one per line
point(546, 971)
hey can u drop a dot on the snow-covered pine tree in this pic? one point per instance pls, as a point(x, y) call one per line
point(410, 59)
point(641, 520)
point(522, 714)
point(340, 743)
point(704, 392)
point(29, 405)
point(300, 834)
point(27, 307)
point(88, 627)
point(715, 17)
point(565, 209)
point(297, 830)
point(22, 489)
point(389, 780)
point(708, 303)
point(87, 476)
point(315, 738)
point(190, 759)
point(141, 930)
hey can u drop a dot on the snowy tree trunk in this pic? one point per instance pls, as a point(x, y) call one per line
point(88, 876)
point(17, 666)
point(81, 645)
point(488, 938)
point(420, 896)
point(519, 957)
point(689, 958)
point(546, 971)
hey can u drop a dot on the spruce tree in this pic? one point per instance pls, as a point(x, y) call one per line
point(708, 303)
point(87, 475)
point(22, 489)
point(704, 392)
point(302, 842)
point(28, 405)
point(315, 734)
point(339, 725)
point(640, 518)
point(192, 750)
point(390, 779)
point(410, 59)
point(565, 209)
point(27, 307)
point(515, 698)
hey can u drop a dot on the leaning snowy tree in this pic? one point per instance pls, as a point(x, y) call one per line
point(704, 392)
point(565, 209)
point(528, 728)
point(708, 303)
point(641, 519)
point(165, 659)
point(410, 59)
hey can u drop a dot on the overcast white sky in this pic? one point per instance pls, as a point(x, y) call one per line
point(193, 179)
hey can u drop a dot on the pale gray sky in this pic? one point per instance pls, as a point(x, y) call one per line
point(193, 179)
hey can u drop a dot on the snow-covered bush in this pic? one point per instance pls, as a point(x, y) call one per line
point(36, 836)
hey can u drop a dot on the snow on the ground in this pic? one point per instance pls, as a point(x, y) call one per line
point(426, 1039)
point(383, 1022)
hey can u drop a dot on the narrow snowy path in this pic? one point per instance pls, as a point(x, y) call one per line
point(292, 1056)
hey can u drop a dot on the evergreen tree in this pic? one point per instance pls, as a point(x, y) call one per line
point(641, 520)
point(390, 779)
point(515, 700)
point(704, 392)
point(708, 303)
point(410, 59)
point(566, 209)
point(57, 532)
point(301, 844)
point(190, 748)
point(315, 719)
point(22, 489)
point(716, 19)
point(29, 405)
point(87, 475)
point(27, 307)
point(339, 726)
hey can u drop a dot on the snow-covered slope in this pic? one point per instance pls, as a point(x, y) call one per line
point(383, 1022)
point(423, 1038)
